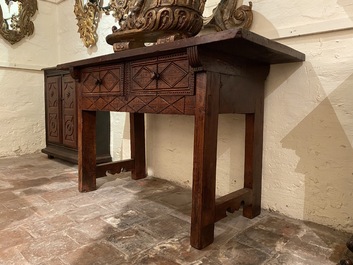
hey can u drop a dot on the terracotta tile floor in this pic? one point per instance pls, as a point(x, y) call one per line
point(45, 220)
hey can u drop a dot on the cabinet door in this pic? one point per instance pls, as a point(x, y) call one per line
point(69, 112)
point(52, 88)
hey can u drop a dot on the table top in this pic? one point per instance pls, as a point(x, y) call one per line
point(237, 43)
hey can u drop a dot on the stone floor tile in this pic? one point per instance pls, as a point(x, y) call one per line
point(7, 196)
point(53, 209)
point(178, 249)
point(233, 252)
point(152, 209)
point(89, 231)
point(210, 260)
point(132, 241)
point(125, 219)
point(288, 259)
point(54, 261)
point(84, 213)
point(11, 256)
point(55, 195)
point(166, 226)
point(25, 202)
point(13, 237)
point(97, 253)
point(153, 259)
point(178, 199)
point(237, 220)
point(149, 186)
point(12, 218)
point(30, 183)
point(42, 249)
point(45, 220)
point(44, 227)
point(312, 246)
point(269, 235)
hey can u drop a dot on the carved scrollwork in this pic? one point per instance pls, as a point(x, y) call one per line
point(19, 25)
point(87, 21)
point(156, 20)
point(228, 16)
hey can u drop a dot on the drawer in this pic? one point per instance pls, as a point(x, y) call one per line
point(164, 75)
point(103, 80)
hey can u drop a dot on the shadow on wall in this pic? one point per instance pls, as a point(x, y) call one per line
point(326, 155)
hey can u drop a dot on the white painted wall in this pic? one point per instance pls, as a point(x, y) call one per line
point(308, 132)
point(21, 90)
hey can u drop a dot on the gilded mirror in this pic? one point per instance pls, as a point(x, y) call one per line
point(15, 19)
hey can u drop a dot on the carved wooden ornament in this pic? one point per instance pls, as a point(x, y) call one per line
point(87, 21)
point(159, 21)
point(155, 21)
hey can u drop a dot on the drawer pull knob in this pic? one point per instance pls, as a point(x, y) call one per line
point(99, 82)
point(154, 76)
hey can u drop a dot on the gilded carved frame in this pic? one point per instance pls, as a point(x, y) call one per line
point(18, 26)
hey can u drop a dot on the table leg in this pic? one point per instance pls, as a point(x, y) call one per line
point(205, 157)
point(253, 159)
point(137, 138)
point(87, 150)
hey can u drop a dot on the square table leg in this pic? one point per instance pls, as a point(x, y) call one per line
point(205, 157)
point(137, 138)
point(86, 150)
point(253, 157)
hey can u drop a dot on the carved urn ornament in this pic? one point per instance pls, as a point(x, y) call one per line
point(157, 21)
point(15, 19)
point(143, 21)
point(150, 21)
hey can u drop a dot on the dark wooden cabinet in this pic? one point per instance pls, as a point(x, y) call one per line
point(61, 119)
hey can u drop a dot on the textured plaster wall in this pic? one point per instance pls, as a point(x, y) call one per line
point(21, 91)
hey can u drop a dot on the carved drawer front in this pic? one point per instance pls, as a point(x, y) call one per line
point(169, 75)
point(103, 80)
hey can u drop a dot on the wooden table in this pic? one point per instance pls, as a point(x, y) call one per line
point(201, 76)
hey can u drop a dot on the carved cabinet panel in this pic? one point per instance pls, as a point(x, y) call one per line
point(69, 122)
point(53, 108)
point(61, 110)
point(61, 117)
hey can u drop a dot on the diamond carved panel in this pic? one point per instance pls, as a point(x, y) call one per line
point(103, 80)
point(172, 74)
point(143, 77)
point(141, 104)
point(169, 75)
point(111, 81)
point(89, 84)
